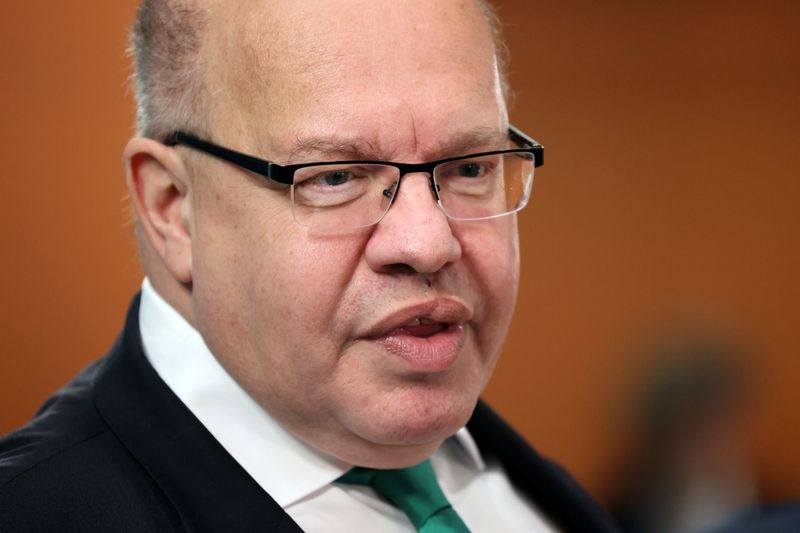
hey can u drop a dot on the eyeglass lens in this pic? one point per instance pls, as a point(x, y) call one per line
point(346, 196)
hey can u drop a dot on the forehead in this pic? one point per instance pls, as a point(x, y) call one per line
point(302, 66)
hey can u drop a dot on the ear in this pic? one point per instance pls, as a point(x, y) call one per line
point(158, 186)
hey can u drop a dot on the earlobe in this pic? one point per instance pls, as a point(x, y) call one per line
point(158, 186)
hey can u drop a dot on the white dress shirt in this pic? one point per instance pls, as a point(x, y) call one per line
point(299, 478)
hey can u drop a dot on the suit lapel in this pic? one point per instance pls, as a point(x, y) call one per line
point(208, 488)
point(549, 487)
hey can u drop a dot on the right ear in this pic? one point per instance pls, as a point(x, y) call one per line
point(159, 187)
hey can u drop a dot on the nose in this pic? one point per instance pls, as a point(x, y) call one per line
point(414, 233)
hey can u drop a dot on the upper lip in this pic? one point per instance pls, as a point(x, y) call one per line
point(443, 310)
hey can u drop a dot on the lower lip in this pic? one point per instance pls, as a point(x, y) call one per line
point(426, 354)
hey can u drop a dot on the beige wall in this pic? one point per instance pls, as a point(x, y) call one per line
point(671, 187)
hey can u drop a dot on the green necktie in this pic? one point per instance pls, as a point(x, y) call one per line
point(415, 491)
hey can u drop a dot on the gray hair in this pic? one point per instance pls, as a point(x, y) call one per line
point(168, 70)
point(501, 51)
point(165, 43)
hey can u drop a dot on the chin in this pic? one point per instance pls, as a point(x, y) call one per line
point(418, 418)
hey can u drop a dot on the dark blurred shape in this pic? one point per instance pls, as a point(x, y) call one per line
point(690, 469)
point(775, 519)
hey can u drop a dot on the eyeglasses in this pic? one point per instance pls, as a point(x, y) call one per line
point(344, 195)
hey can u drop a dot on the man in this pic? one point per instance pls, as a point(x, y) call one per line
point(302, 316)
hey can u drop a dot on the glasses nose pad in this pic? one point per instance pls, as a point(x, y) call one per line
point(436, 188)
point(389, 191)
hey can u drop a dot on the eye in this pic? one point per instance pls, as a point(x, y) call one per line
point(333, 178)
point(467, 169)
point(471, 170)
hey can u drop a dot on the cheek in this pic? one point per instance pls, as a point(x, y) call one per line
point(294, 335)
point(296, 286)
point(492, 246)
point(247, 242)
point(308, 276)
point(267, 297)
point(491, 251)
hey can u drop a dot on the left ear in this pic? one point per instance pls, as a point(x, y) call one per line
point(159, 187)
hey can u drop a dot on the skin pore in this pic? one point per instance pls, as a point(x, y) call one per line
point(320, 329)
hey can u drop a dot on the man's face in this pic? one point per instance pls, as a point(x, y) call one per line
point(373, 344)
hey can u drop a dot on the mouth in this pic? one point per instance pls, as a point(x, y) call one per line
point(427, 337)
point(423, 328)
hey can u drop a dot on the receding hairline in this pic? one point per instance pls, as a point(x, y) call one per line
point(167, 46)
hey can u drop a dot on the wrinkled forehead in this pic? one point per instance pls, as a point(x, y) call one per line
point(275, 33)
point(292, 55)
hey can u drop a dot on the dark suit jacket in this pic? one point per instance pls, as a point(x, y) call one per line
point(116, 450)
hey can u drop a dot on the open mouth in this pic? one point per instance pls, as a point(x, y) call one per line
point(428, 337)
point(425, 345)
point(423, 328)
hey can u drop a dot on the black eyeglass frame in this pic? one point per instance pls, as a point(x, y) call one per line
point(285, 173)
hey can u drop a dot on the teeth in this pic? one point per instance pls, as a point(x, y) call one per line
point(419, 322)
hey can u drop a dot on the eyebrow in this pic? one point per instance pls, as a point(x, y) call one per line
point(354, 148)
point(362, 148)
point(477, 139)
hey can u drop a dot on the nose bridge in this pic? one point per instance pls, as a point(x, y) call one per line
point(414, 231)
point(420, 180)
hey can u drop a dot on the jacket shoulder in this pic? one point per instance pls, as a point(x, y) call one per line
point(66, 468)
point(66, 419)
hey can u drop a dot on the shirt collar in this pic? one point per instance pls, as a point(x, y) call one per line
point(285, 467)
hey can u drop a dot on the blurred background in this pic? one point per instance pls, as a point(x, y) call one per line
point(656, 346)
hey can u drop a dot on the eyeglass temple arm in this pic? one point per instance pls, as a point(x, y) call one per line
point(254, 164)
point(523, 140)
